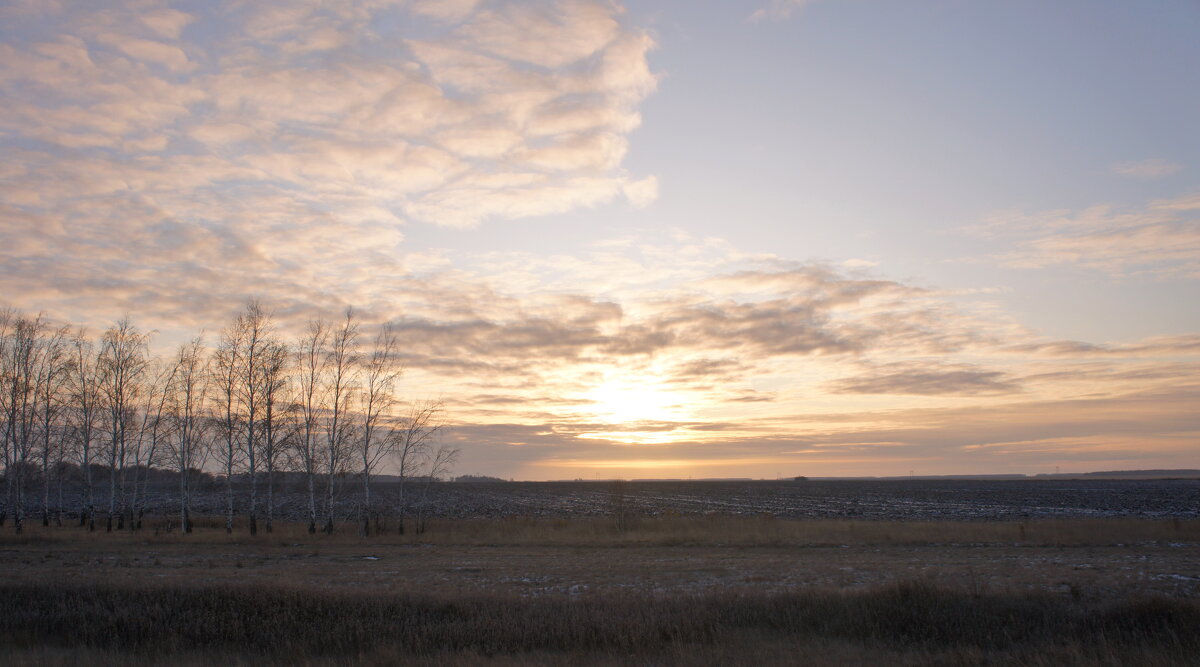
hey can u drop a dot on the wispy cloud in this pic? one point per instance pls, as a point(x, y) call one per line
point(928, 379)
point(1149, 169)
point(1160, 239)
point(778, 10)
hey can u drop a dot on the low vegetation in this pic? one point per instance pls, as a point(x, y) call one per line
point(234, 598)
point(907, 620)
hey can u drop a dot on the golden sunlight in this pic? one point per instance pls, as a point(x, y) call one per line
point(640, 408)
point(625, 401)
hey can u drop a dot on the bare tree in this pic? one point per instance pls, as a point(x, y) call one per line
point(123, 358)
point(376, 435)
point(255, 326)
point(414, 440)
point(441, 462)
point(86, 404)
point(60, 469)
point(277, 417)
point(341, 378)
point(311, 364)
point(187, 395)
point(227, 364)
point(7, 388)
point(20, 364)
point(50, 384)
point(152, 429)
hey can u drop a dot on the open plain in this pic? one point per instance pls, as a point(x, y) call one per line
point(1071, 562)
point(902, 500)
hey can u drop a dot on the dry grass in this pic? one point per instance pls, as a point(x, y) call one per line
point(910, 622)
point(715, 530)
point(718, 590)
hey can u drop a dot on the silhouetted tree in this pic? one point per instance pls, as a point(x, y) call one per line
point(84, 414)
point(415, 439)
point(227, 362)
point(123, 359)
point(50, 396)
point(376, 432)
point(278, 417)
point(341, 378)
point(311, 363)
point(187, 405)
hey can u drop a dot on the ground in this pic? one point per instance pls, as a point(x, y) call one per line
point(1102, 558)
point(1094, 573)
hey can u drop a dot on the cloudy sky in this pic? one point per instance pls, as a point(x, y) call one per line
point(666, 238)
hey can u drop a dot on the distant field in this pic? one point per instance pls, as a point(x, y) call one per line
point(884, 499)
point(939, 500)
point(666, 590)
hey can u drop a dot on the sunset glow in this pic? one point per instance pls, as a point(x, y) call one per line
point(662, 239)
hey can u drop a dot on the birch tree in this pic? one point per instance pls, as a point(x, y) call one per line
point(254, 325)
point(7, 318)
point(123, 359)
point(311, 360)
point(277, 426)
point(441, 461)
point(20, 371)
point(86, 397)
point(153, 427)
point(187, 395)
point(341, 378)
point(227, 363)
point(376, 432)
point(50, 384)
point(414, 440)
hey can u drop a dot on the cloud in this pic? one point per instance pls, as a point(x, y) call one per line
point(642, 193)
point(1136, 430)
point(280, 148)
point(1156, 346)
point(1150, 169)
point(551, 35)
point(927, 380)
point(170, 164)
point(855, 263)
point(756, 358)
point(444, 10)
point(778, 10)
point(1158, 240)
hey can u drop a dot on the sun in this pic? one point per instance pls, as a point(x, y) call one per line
point(628, 401)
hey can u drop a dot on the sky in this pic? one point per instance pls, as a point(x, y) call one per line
point(668, 238)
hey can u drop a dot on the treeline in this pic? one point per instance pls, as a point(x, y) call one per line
point(476, 479)
point(253, 407)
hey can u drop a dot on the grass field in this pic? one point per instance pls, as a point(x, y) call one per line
point(675, 590)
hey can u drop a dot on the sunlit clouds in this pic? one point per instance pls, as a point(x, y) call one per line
point(284, 145)
point(170, 160)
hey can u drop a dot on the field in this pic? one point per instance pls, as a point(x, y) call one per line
point(625, 582)
point(933, 500)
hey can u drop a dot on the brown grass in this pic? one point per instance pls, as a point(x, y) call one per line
point(905, 620)
point(1039, 593)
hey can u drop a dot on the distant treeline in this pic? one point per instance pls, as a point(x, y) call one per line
point(1183, 473)
point(478, 478)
